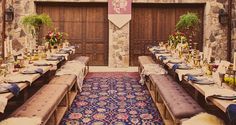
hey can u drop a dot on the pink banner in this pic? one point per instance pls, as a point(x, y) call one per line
point(119, 6)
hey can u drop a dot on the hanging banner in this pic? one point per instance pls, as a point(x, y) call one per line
point(119, 12)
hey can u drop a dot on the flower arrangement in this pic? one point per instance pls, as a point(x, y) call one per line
point(176, 38)
point(54, 37)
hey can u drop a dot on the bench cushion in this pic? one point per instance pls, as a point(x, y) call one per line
point(180, 104)
point(83, 59)
point(67, 79)
point(42, 103)
point(145, 60)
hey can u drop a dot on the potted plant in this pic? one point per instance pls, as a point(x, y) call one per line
point(189, 24)
point(33, 22)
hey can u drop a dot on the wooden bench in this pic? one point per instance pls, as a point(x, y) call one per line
point(84, 60)
point(177, 102)
point(71, 82)
point(144, 60)
point(49, 104)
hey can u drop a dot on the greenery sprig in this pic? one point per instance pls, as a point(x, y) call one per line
point(36, 20)
point(188, 21)
point(33, 22)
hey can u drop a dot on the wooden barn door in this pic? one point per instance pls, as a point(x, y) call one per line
point(153, 23)
point(86, 25)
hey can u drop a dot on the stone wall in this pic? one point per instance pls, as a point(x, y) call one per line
point(15, 30)
point(234, 25)
point(118, 46)
point(214, 33)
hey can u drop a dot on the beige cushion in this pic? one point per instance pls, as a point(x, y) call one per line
point(42, 103)
point(180, 103)
point(145, 60)
point(68, 80)
point(83, 59)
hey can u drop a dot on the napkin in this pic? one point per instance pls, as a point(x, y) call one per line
point(156, 52)
point(12, 82)
point(14, 89)
point(188, 72)
point(162, 57)
point(153, 48)
point(63, 52)
point(231, 113)
point(67, 50)
point(72, 47)
point(219, 91)
point(59, 57)
point(39, 70)
point(191, 78)
point(42, 64)
point(175, 66)
point(55, 58)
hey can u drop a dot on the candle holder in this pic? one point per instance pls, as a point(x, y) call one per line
point(221, 76)
point(234, 77)
point(195, 45)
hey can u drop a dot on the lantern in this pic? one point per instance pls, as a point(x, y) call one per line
point(9, 14)
point(223, 17)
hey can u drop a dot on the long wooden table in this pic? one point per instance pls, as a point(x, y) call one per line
point(31, 78)
point(221, 104)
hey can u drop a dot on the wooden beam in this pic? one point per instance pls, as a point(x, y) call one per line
point(229, 34)
point(3, 27)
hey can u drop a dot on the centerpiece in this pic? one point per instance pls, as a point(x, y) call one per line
point(176, 38)
point(54, 39)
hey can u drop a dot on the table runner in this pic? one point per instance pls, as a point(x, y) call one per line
point(3, 104)
point(151, 69)
point(76, 68)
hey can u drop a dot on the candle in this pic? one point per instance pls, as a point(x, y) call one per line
point(26, 44)
point(30, 46)
point(5, 48)
point(205, 53)
point(234, 67)
point(10, 47)
point(209, 52)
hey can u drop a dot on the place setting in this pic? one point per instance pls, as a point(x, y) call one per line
point(221, 93)
point(32, 71)
point(200, 79)
point(42, 63)
point(6, 88)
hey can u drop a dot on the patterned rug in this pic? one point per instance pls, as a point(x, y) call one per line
point(113, 99)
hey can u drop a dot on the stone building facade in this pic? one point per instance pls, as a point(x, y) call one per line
point(214, 33)
point(234, 25)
